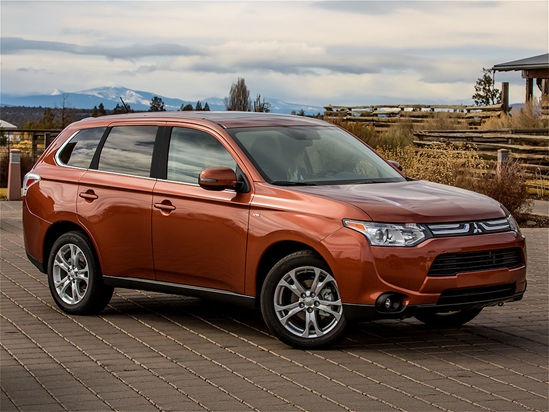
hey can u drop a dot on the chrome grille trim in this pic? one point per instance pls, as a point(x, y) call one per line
point(479, 227)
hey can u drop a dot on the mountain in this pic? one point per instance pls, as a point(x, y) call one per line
point(137, 99)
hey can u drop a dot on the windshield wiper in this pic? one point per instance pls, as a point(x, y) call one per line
point(368, 181)
point(287, 183)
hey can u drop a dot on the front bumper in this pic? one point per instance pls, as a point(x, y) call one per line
point(451, 300)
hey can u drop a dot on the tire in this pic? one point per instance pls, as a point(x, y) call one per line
point(300, 302)
point(447, 319)
point(74, 276)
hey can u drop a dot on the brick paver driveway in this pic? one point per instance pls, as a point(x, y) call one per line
point(149, 351)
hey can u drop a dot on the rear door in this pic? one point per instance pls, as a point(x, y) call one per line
point(114, 200)
point(199, 236)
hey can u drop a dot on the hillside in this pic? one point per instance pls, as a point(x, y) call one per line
point(137, 99)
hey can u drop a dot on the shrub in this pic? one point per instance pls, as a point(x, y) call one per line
point(460, 166)
point(507, 187)
point(26, 165)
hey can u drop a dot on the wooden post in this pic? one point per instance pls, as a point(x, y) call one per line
point(505, 97)
point(14, 175)
point(529, 89)
point(503, 157)
point(34, 146)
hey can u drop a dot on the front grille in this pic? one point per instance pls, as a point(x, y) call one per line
point(451, 264)
point(473, 295)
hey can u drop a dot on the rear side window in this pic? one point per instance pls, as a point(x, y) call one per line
point(128, 150)
point(79, 151)
point(192, 151)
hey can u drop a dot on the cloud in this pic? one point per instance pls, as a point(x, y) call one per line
point(13, 45)
point(384, 8)
point(308, 51)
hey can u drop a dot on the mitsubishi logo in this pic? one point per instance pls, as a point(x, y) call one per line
point(476, 229)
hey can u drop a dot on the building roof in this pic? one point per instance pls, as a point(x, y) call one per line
point(530, 63)
point(6, 125)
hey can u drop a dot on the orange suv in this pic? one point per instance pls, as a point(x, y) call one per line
point(290, 214)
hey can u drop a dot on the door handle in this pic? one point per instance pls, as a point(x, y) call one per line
point(165, 207)
point(88, 195)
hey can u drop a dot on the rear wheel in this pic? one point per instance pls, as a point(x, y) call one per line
point(74, 277)
point(300, 302)
point(447, 319)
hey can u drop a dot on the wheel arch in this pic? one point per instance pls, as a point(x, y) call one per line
point(272, 255)
point(58, 229)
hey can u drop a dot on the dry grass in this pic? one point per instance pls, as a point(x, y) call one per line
point(460, 166)
point(527, 117)
point(449, 164)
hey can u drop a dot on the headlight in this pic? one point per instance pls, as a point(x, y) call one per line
point(390, 234)
point(513, 224)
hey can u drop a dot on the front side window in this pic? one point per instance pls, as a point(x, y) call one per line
point(192, 151)
point(128, 150)
point(312, 155)
point(79, 151)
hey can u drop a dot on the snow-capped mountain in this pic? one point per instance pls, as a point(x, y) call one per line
point(136, 99)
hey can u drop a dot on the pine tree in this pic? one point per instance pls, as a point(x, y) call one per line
point(485, 92)
point(157, 105)
point(118, 109)
point(47, 121)
point(101, 110)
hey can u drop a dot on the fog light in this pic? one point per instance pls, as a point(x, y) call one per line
point(389, 302)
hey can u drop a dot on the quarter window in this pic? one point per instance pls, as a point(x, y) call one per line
point(192, 151)
point(128, 150)
point(81, 148)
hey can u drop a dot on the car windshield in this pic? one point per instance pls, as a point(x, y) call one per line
point(312, 155)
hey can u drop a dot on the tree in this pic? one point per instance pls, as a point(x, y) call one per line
point(187, 108)
point(485, 92)
point(198, 106)
point(259, 106)
point(46, 122)
point(239, 97)
point(99, 111)
point(301, 112)
point(119, 109)
point(206, 107)
point(157, 105)
point(67, 112)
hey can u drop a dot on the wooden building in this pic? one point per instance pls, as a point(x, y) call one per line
point(534, 69)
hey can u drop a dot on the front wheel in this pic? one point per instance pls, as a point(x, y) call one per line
point(300, 302)
point(74, 277)
point(447, 319)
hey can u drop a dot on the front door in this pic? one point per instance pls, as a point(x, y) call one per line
point(199, 236)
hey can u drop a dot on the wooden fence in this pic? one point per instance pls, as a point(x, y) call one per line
point(529, 146)
point(34, 141)
point(382, 116)
point(32, 144)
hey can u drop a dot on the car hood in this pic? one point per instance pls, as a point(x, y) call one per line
point(412, 201)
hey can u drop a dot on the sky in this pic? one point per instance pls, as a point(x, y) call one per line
point(306, 52)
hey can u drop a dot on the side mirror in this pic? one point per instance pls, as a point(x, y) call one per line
point(217, 178)
point(395, 164)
